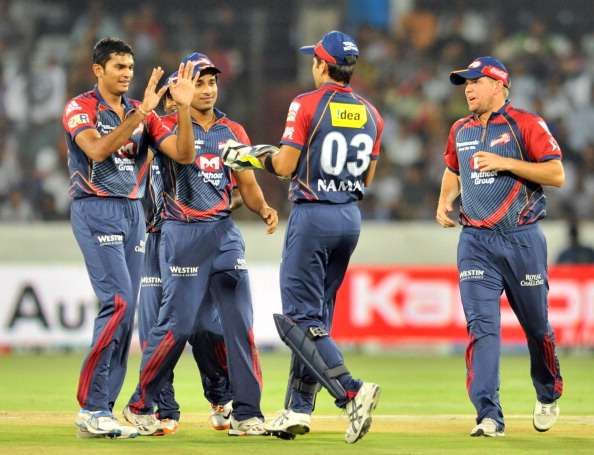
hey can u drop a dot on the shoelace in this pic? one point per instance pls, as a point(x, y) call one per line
point(545, 410)
point(282, 418)
point(355, 417)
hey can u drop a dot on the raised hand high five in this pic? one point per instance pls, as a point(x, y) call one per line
point(182, 90)
point(152, 96)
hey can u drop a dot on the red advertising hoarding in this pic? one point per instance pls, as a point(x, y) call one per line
point(398, 305)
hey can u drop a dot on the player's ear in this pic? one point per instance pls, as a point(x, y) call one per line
point(98, 70)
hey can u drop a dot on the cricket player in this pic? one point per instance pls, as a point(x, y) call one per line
point(208, 345)
point(329, 149)
point(108, 135)
point(202, 263)
point(498, 158)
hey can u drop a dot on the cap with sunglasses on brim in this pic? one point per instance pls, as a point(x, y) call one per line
point(482, 67)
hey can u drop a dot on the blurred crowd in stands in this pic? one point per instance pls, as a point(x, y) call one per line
point(407, 50)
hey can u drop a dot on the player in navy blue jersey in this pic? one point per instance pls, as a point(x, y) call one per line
point(498, 158)
point(208, 344)
point(329, 150)
point(108, 136)
point(203, 263)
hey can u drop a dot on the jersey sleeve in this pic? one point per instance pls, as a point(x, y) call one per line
point(157, 129)
point(450, 156)
point(79, 115)
point(240, 133)
point(297, 124)
point(540, 143)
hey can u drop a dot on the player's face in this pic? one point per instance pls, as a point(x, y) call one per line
point(117, 73)
point(169, 105)
point(205, 93)
point(481, 94)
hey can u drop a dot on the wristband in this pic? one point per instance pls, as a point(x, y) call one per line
point(268, 164)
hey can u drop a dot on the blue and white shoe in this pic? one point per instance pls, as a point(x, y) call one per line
point(359, 411)
point(92, 424)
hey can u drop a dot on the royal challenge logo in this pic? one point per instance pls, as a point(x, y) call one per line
point(532, 279)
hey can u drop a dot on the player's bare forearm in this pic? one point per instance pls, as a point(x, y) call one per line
point(253, 198)
point(545, 173)
point(370, 174)
point(236, 200)
point(185, 151)
point(285, 161)
point(450, 190)
point(99, 148)
point(549, 173)
point(250, 191)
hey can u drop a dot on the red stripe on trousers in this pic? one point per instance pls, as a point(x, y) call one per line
point(150, 370)
point(549, 349)
point(221, 354)
point(468, 357)
point(255, 359)
point(86, 375)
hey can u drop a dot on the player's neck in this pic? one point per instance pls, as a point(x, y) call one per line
point(113, 100)
point(485, 116)
point(326, 79)
point(204, 118)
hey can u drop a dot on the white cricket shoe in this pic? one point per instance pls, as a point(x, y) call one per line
point(101, 423)
point(146, 424)
point(128, 432)
point(254, 426)
point(359, 411)
point(545, 415)
point(288, 424)
point(167, 427)
point(488, 427)
point(220, 416)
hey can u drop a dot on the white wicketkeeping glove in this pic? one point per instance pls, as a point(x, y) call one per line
point(240, 156)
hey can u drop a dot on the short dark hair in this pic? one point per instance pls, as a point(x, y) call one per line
point(341, 73)
point(107, 46)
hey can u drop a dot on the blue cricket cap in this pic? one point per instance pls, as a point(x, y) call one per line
point(481, 67)
point(333, 48)
point(203, 63)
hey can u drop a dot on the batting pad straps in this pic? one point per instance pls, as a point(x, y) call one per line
point(306, 350)
point(337, 371)
point(304, 387)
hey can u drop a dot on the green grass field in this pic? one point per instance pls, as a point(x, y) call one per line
point(423, 409)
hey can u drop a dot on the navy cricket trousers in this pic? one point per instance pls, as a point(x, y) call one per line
point(110, 234)
point(198, 259)
point(489, 263)
point(319, 242)
point(208, 345)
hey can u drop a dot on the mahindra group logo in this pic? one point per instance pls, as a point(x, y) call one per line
point(209, 162)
